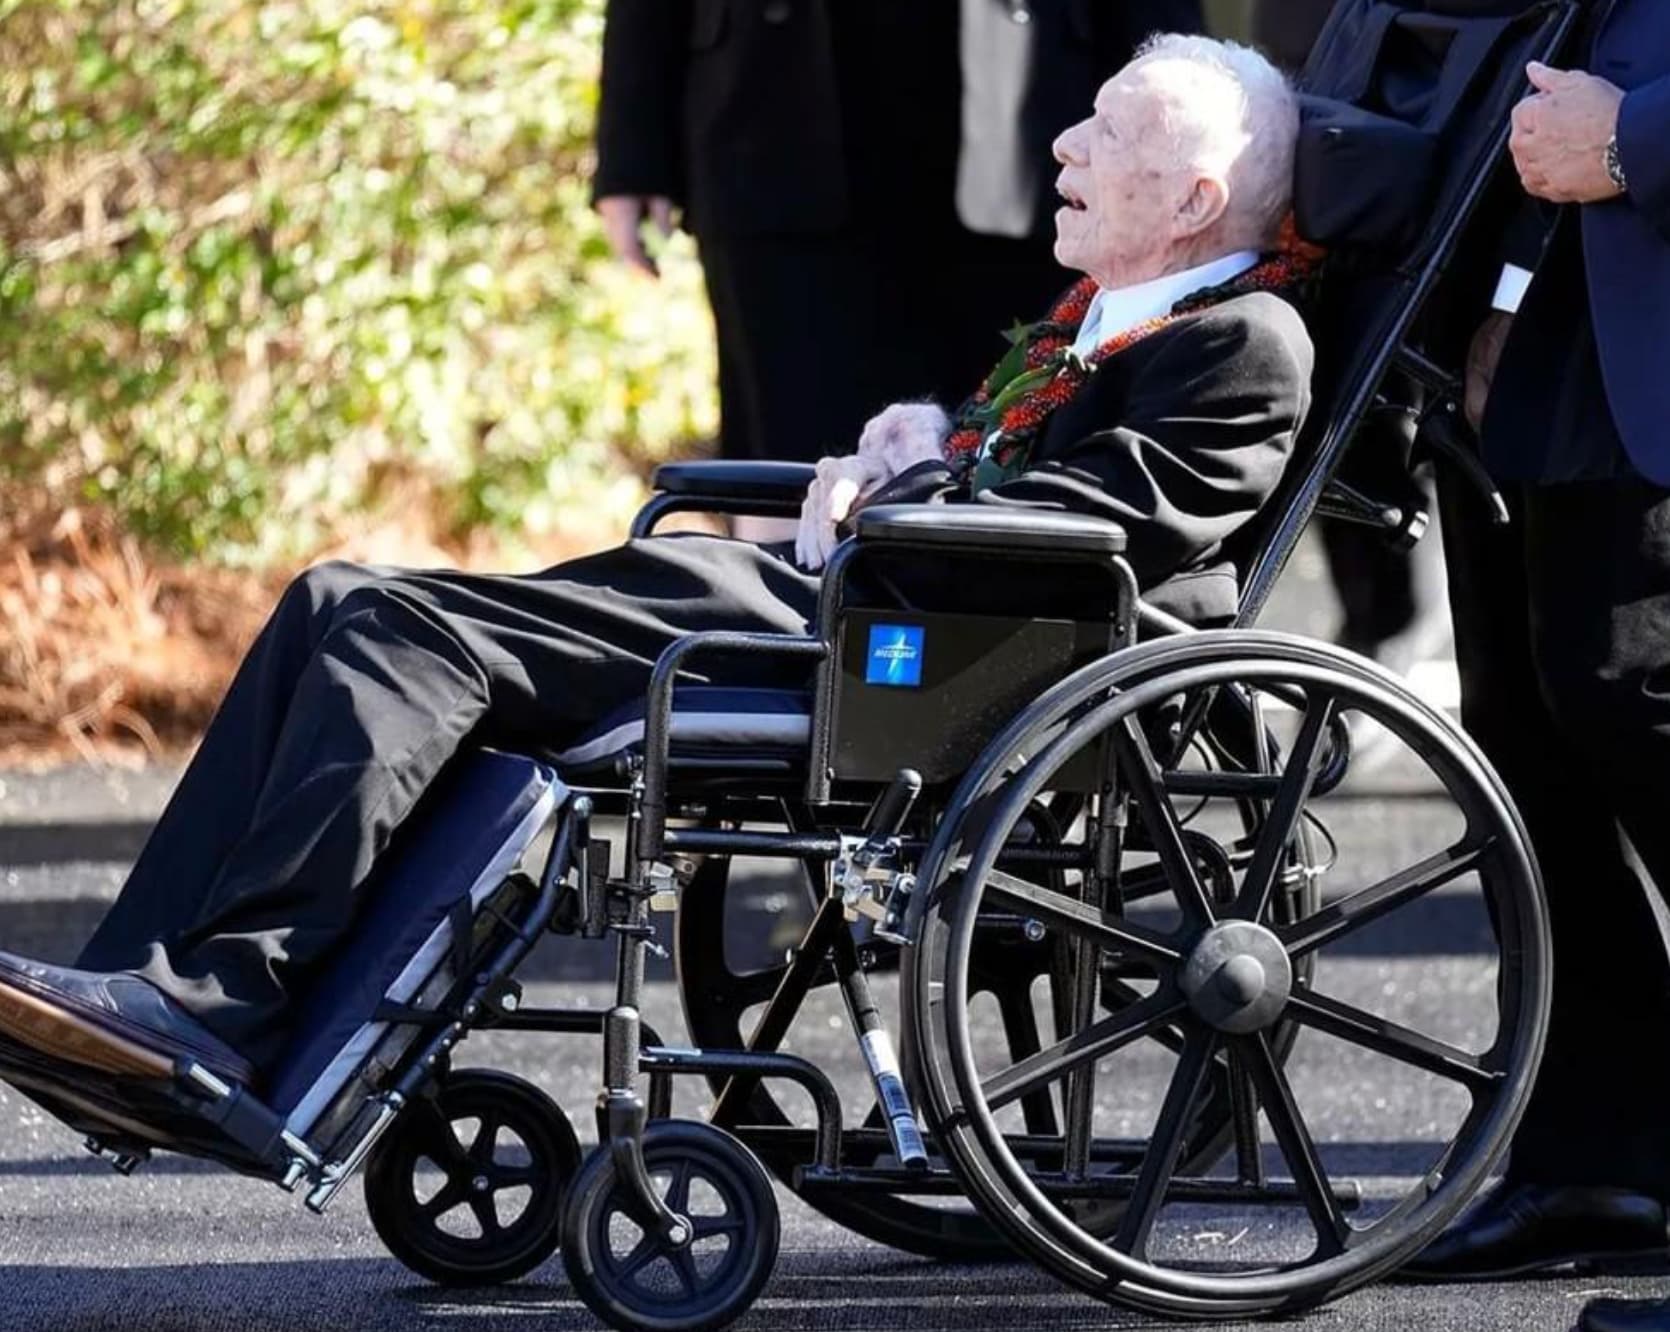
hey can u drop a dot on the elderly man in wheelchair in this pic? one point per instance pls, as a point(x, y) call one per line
point(1167, 387)
point(938, 701)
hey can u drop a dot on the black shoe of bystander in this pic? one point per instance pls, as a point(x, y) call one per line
point(1524, 1228)
point(1625, 1316)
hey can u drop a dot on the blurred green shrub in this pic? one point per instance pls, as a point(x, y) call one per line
point(265, 264)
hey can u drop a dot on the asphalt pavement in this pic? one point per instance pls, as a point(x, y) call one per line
point(182, 1245)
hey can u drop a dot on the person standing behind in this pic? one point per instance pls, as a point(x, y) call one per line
point(817, 149)
point(1563, 641)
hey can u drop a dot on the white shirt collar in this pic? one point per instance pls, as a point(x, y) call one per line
point(1121, 309)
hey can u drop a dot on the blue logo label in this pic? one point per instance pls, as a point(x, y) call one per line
point(895, 656)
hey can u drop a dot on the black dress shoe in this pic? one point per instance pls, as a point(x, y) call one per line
point(1523, 1228)
point(113, 1021)
point(1625, 1316)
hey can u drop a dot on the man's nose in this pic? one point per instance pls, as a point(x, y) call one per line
point(1066, 145)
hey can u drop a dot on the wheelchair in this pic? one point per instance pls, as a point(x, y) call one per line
point(1066, 825)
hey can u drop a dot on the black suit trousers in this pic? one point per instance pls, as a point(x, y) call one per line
point(1563, 641)
point(360, 688)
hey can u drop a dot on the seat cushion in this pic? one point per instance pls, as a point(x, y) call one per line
point(708, 720)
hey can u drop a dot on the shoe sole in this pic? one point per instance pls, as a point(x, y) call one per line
point(1620, 1263)
point(64, 1035)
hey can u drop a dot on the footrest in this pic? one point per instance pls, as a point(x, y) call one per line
point(125, 1118)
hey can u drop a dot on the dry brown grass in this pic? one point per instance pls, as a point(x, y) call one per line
point(105, 653)
point(112, 655)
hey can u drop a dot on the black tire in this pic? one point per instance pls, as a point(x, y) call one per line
point(650, 1286)
point(958, 875)
point(425, 1228)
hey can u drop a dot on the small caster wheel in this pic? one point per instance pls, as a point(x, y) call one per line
point(467, 1187)
point(633, 1280)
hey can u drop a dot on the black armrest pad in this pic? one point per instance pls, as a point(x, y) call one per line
point(1028, 531)
point(784, 481)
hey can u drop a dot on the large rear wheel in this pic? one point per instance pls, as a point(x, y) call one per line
point(1216, 974)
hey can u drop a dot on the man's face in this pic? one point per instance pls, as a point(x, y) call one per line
point(1120, 220)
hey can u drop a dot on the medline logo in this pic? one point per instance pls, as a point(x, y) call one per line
point(895, 656)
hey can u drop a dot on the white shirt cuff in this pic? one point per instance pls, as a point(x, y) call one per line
point(1510, 288)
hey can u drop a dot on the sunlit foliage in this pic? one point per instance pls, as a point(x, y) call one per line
point(263, 265)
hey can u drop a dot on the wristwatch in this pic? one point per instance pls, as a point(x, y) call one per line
point(1615, 166)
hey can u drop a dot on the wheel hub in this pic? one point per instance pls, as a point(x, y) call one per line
point(1238, 977)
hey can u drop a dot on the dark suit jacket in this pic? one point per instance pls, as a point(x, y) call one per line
point(1180, 438)
point(767, 116)
point(1547, 378)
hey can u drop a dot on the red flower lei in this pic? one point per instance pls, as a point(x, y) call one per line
point(994, 430)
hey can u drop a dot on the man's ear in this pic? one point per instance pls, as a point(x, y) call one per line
point(1201, 207)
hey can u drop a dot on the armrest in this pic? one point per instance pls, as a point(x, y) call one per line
point(987, 527)
point(784, 482)
point(763, 489)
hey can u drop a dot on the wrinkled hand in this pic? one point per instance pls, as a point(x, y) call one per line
point(838, 485)
point(623, 222)
point(1482, 357)
point(894, 441)
point(1560, 134)
point(905, 434)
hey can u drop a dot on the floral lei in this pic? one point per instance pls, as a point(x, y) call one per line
point(993, 432)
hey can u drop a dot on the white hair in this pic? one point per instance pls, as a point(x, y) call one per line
point(1229, 113)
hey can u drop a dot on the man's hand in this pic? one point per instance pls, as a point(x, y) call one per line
point(1560, 134)
point(1482, 358)
point(838, 485)
point(623, 221)
point(894, 441)
point(905, 434)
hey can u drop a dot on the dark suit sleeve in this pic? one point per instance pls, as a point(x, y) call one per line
point(1644, 150)
point(1207, 429)
point(645, 44)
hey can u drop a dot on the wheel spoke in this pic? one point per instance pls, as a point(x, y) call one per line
point(512, 1177)
point(1170, 1037)
point(1020, 1030)
point(1401, 1043)
point(644, 1252)
point(1171, 1128)
point(1100, 1038)
point(704, 1227)
point(446, 1198)
point(1354, 912)
point(434, 1130)
point(1143, 779)
point(1297, 1146)
point(678, 1191)
point(1080, 919)
point(486, 1138)
point(684, 1263)
point(486, 1215)
point(1285, 810)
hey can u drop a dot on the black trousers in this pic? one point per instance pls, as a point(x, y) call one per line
point(362, 685)
point(1563, 639)
point(818, 332)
